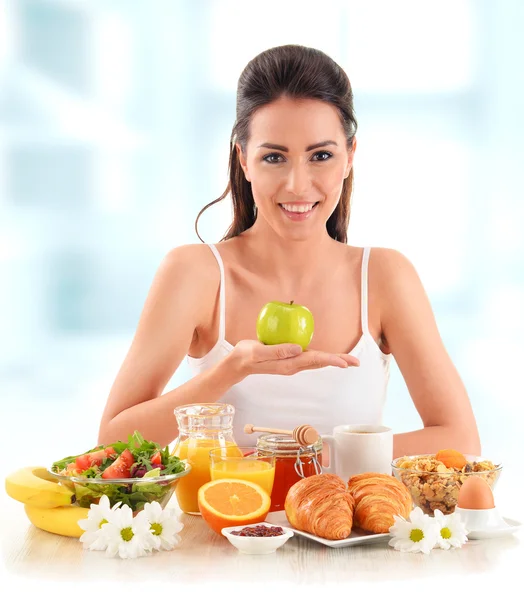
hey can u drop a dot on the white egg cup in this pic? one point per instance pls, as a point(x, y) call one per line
point(481, 519)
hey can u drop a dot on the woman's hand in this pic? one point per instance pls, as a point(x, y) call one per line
point(251, 357)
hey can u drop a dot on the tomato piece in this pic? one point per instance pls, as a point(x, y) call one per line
point(121, 468)
point(91, 459)
point(110, 452)
point(72, 469)
point(156, 459)
point(82, 462)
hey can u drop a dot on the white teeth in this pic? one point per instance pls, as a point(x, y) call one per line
point(298, 208)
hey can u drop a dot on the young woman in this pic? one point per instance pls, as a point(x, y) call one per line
point(291, 156)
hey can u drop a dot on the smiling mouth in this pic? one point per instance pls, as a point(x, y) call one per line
point(298, 210)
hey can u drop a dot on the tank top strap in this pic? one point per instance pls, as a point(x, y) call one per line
point(364, 291)
point(222, 322)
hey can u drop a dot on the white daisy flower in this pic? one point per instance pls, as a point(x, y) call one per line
point(418, 534)
point(127, 536)
point(98, 515)
point(451, 531)
point(164, 525)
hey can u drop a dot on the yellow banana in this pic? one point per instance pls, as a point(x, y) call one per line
point(62, 520)
point(37, 487)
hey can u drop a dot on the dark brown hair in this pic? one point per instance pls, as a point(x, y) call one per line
point(299, 73)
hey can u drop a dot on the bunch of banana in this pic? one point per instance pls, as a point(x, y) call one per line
point(62, 520)
point(48, 504)
point(37, 487)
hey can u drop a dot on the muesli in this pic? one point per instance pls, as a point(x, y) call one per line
point(433, 485)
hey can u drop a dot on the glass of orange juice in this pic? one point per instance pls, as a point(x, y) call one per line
point(251, 466)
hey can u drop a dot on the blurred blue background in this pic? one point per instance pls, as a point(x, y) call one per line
point(115, 119)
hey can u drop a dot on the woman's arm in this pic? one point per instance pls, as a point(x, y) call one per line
point(162, 339)
point(155, 418)
point(411, 333)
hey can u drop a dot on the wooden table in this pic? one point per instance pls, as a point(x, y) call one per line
point(205, 564)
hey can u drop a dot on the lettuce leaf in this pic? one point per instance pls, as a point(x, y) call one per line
point(134, 496)
point(141, 449)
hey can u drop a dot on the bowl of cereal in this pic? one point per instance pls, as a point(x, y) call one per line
point(434, 480)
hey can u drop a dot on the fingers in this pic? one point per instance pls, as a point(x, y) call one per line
point(351, 361)
point(307, 361)
point(313, 358)
point(277, 352)
point(316, 359)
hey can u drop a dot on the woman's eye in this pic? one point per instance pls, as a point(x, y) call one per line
point(323, 153)
point(273, 158)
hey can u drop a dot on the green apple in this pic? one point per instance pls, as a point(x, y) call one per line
point(282, 323)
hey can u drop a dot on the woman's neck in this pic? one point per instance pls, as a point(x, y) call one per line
point(288, 263)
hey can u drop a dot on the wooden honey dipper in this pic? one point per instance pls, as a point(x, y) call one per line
point(305, 435)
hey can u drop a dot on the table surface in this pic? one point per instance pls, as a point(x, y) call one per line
point(36, 559)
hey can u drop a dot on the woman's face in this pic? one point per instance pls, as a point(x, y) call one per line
point(296, 160)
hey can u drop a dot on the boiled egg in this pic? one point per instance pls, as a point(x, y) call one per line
point(475, 493)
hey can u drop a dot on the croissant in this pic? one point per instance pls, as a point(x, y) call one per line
point(378, 498)
point(321, 505)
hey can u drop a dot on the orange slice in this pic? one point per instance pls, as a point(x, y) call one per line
point(232, 502)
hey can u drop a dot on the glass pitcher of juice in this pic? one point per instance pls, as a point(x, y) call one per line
point(201, 427)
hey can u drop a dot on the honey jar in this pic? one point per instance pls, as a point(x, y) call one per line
point(292, 463)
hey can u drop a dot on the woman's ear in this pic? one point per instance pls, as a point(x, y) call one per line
point(351, 156)
point(242, 160)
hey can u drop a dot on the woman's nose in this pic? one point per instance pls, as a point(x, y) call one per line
point(298, 180)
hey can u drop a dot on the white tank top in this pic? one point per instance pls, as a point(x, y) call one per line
point(322, 397)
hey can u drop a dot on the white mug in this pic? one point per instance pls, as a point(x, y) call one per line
point(355, 449)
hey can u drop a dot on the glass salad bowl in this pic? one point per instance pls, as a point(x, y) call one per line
point(133, 491)
point(132, 472)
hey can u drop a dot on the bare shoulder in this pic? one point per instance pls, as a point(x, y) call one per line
point(190, 263)
point(399, 295)
point(395, 289)
point(188, 271)
point(191, 255)
point(390, 268)
point(386, 265)
point(388, 261)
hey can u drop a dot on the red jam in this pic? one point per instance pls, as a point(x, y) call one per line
point(259, 531)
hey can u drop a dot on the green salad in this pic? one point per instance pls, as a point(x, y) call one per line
point(135, 459)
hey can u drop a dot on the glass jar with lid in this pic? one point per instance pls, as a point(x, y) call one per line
point(201, 427)
point(292, 463)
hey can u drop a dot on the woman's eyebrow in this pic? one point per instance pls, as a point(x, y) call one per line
point(284, 149)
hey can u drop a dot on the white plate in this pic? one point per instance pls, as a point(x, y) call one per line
point(356, 537)
point(511, 527)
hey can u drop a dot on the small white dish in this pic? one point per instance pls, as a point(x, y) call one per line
point(508, 527)
point(480, 518)
point(257, 545)
point(486, 523)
